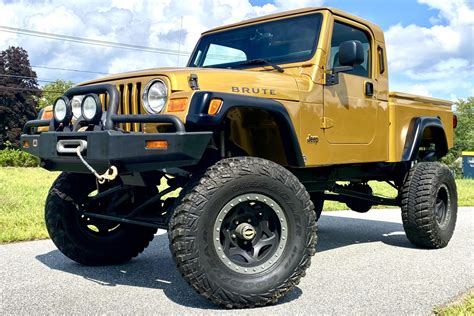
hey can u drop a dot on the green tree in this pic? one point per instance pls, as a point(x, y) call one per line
point(19, 95)
point(464, 132)
point(52, 91)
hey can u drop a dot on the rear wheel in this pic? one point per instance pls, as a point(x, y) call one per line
point(87, 240)
point(244, 232)
point(429, 205)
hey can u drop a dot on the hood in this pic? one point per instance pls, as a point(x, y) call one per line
point(264, 84)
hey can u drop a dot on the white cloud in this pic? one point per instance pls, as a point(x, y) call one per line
point(436, 60)
point(441, 57)
point(146, 23)
point(420, 90)
point(289, 5)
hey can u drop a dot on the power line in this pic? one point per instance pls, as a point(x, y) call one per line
point(27, 77)
point(73, 70)
point(30, 89)
point(89, 41)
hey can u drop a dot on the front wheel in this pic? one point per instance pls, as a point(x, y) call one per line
point(429, 205)
point(244, 232)
point(87, 240)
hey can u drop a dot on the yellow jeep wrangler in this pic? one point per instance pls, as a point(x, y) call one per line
point(259, 129)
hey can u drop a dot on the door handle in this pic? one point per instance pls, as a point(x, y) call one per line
point(369, 89)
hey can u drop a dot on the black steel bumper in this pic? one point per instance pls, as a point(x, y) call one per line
point(110, 146)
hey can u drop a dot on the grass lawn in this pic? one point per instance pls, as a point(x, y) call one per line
point(464, 306)
point(23, 192)
point(22, 195)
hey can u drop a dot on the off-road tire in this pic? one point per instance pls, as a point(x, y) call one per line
point(64, 228)
point(419, 200)
point(191, 226)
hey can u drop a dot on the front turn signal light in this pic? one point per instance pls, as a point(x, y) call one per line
point(156, 144)
point(214, 106)
point(177, 105)
point(47, 115)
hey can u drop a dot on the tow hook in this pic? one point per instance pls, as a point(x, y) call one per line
point(109, 175)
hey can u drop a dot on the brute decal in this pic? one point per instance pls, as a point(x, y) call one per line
point(245, 90)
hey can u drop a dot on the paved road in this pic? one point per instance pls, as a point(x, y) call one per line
point(364, 265)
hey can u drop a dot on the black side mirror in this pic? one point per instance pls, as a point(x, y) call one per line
point(351, 53)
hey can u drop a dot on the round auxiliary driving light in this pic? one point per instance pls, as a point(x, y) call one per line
point(76, 104)
point(62, 111)
point(155, 96)
point(91, 108)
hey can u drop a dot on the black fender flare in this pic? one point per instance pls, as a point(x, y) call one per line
point(415, 135)
point(198, 118)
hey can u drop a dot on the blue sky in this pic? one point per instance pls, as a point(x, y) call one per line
point(430, 43)
point(382, 12)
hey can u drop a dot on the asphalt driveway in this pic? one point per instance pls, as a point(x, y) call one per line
point(364, 264)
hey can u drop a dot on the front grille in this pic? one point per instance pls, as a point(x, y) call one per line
point(129, 103)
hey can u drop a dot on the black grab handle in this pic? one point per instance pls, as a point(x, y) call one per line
point(34, 123)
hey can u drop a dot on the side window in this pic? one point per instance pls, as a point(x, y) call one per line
point(381, 60)
point(218, 54)
point(343, 32)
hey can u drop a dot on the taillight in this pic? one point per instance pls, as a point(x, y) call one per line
point(455, 121)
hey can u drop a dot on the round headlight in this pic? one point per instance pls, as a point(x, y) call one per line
point(155, 96)
point(91, 108)
point(62, 110)
point(76, 105)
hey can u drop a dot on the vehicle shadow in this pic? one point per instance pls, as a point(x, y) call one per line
point(336, 232)
point(155, 269)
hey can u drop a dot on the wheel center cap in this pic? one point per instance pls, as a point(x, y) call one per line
point(245, 231)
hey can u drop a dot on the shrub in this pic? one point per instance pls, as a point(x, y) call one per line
point(17, 158)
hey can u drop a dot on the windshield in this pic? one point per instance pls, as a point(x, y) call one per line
point(282, 41)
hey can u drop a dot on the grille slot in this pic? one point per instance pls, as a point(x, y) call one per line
point(129, 103)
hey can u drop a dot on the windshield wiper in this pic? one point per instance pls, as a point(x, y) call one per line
point(261, 61)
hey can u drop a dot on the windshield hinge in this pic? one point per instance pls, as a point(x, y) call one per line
point(193, 82)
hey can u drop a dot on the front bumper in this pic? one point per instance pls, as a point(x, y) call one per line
point(127, 151)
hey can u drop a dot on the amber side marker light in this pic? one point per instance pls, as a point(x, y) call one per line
point(214, 106)
point(177, 105)
point(47, 115)
point(156, 144)
point(26, 144)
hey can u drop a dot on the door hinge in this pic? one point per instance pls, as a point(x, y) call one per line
point(326, 122)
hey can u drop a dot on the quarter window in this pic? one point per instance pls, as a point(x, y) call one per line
point(342, 33)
